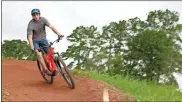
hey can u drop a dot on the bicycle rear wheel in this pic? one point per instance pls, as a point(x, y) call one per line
point(65, 72)
point(48, 79)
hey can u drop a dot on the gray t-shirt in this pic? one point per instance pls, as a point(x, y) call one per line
point(37, 28)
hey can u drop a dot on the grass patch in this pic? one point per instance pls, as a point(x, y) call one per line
point(141, 90)
point(3, 57)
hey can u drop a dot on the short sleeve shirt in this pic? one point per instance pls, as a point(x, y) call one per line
point(37, 28)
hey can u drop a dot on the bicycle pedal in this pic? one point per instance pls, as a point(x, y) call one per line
point(54, 73)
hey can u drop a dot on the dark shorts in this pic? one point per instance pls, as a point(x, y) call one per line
point(43, 42)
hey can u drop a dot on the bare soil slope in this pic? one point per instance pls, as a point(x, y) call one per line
point(21, 81)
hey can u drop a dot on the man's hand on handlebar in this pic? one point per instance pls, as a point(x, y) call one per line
point(60, 36)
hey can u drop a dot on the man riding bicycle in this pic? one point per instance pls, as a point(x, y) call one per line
point(36, 35)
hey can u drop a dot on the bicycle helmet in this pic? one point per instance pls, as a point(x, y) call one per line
point(35, 11)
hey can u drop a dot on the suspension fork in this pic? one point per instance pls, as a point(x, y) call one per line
point(55, 57)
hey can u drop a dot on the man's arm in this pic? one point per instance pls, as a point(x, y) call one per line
point(54, 29)
point(47, 23)
point(29, 36)
point(30, 41)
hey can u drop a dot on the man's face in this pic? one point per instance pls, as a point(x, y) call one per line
point(36, 16)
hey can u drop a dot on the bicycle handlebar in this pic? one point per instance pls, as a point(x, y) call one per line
point(57, 40)
point(51, 43)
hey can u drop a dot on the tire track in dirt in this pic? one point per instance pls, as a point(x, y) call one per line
point(23, 82)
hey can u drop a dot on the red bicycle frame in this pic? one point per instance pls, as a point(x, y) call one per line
point(50, 61)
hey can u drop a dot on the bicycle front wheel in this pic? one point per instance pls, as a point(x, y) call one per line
point(65, 72)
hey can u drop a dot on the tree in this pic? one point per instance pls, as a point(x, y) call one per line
point(152, 50)
point(17, 49)
point(83, 41)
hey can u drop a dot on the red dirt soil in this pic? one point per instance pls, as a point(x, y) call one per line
point(22, 81)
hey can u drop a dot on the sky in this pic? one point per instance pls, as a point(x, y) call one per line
point(67, 15)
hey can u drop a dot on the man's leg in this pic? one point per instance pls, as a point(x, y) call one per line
point(40, 58)
point(43, 43)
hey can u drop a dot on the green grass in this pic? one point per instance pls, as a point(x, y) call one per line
point(3, 57)
point(140, 90)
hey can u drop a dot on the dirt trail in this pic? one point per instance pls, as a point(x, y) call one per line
point(23, 82)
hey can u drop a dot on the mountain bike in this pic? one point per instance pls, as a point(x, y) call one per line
point(54, 62)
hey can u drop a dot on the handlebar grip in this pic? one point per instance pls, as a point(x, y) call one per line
point(59, 37)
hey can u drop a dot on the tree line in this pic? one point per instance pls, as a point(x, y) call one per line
point(142, 49)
